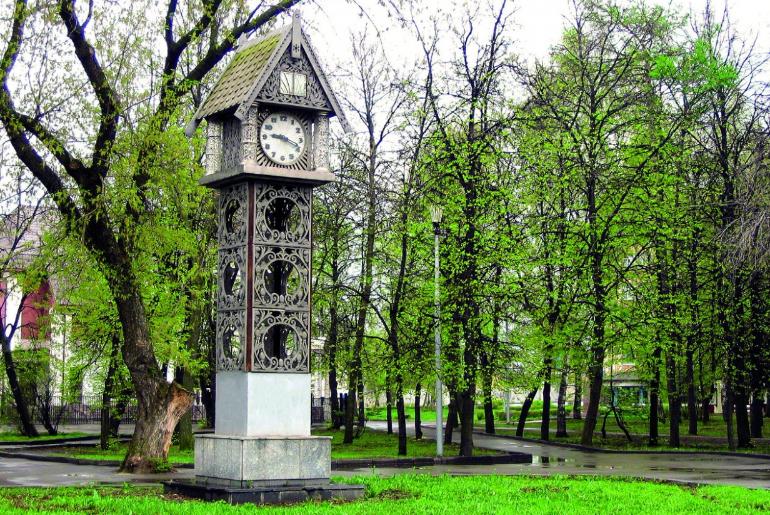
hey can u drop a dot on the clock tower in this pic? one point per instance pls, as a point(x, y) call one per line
point(267, 129)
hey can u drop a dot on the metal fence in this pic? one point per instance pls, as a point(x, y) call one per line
point(87, 409)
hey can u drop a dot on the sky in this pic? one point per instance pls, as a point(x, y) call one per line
point(537, 23)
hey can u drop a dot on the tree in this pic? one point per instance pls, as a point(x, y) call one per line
point(107, 190)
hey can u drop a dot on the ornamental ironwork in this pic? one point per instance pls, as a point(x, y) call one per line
point(231, 286)
point(314, 97)
point(281, 277)
point(231, 340)
point(281, 341)
point(233, 206)
point(282, 215)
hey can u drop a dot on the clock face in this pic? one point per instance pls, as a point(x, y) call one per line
point(282, 137)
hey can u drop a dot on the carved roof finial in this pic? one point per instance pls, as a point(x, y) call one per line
point(296, 36)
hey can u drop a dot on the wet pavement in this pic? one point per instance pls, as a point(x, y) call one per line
point(691, 468)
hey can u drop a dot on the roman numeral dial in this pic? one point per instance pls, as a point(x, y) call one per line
point(282, 138)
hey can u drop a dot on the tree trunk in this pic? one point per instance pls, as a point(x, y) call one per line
point(545, 419)
point(561, 411)
point(757, 412)
point(577, 401)
point(674, 402)
point(652, 440)
point(692, 401)
point(728, 416)
point(27, 426)
point(467, 419)
point(350, 409)
point(333, 336)
point(401, 412)
point(596, 379)
point(742, 418)
point(185, 426)
point(160, 406)
point(489, 414)
point(388, 405)
point(417, 412)
point(524, 412)
point(451, 419)
point(109, 385)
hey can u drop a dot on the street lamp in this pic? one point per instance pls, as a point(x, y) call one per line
point(435, 215)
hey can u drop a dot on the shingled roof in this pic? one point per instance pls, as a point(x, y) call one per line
point(239, 76)
point(254, 60)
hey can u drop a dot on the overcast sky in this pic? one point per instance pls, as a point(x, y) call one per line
point(537, 24)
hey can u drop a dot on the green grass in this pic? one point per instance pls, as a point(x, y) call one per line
point(426, 415)
point(418, 494)
point(371, 444)
point(16, 437)
point(638, 429)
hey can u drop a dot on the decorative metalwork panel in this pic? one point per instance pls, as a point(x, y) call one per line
point(282, 215)
point(281, 277)
point(314, 97)
point(249, 129)
point(231, 340)
point(321, 141)
point(231, 286)
point(233, 206)
point(281, 341)
point(213, 147)
point(231, 143)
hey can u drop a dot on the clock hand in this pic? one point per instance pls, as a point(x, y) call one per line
point(285, 138)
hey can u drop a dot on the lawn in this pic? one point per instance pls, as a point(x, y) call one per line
point(381, 413)
point(416, 494)
point(371, 444)
point(638, 428)
point(12, 436)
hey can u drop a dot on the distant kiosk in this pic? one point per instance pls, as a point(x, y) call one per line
point(267, 148)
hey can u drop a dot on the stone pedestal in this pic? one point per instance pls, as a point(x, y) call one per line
point(276, 404)
point(252, 461)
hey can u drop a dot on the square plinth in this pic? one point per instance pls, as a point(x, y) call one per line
point(259, 404)
point(241, 461)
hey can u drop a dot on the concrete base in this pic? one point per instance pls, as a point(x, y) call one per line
point(264, 495)
point(244, 461)
point(275, 404)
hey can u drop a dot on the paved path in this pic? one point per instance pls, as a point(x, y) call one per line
point(547, 460)
point(552, 459)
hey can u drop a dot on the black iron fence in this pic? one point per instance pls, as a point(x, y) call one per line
point(87, 409)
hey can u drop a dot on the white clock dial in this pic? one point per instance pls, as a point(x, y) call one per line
point(282, 137)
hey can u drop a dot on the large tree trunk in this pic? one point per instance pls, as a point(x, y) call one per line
point(27, 426)
point(561, 411)
point(160, 405)
point(525, 411)
point(333, 336)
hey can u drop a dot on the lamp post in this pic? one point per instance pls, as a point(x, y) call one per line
point(435, 215)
